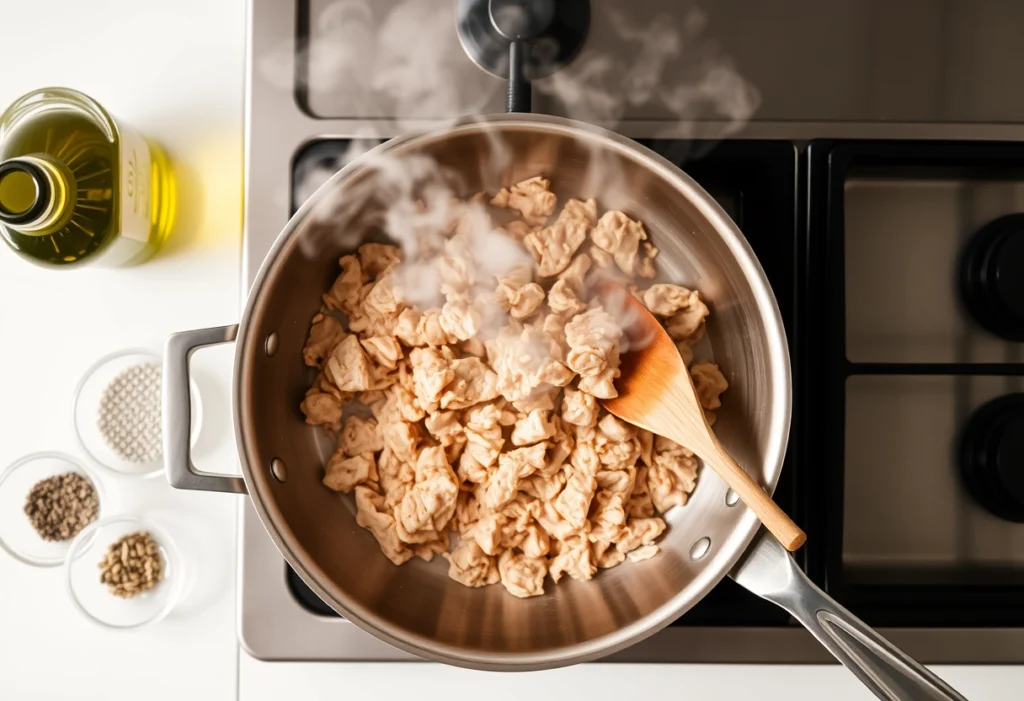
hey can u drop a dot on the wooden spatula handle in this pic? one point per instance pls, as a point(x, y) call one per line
point(778, 523)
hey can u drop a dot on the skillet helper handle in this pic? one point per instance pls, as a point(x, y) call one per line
point(771, 573)
point(177, 413)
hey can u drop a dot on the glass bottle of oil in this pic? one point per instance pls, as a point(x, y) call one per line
point(78, 187)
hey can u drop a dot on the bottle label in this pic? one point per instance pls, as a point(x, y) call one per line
point(136, 180)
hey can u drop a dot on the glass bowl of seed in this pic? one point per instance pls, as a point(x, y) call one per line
point(124, 572)
point(116, 413)
point(46, 499)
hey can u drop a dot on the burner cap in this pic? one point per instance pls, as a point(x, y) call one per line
point(992, 277)
point(556, 30)
point(992, 456)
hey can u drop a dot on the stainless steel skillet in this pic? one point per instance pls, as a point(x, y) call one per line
point(416, 607)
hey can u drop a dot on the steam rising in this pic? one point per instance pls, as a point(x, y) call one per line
point(387, 66)
point(413, 201)
point(404, 64)
point(669, 64)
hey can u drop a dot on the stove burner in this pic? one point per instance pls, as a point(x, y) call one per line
point(992, 277)
point(555, 31)
point(992, 456)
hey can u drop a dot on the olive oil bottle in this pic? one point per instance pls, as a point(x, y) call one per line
point(78, 187)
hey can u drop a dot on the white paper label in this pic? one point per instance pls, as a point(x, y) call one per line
point(136, 180)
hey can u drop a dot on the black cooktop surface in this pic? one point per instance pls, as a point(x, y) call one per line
point(800, 206)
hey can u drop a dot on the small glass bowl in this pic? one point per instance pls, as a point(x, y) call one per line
point(86, 406)
point(91, 596)
point(17, 536)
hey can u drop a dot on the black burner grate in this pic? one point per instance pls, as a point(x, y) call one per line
point(900, 593)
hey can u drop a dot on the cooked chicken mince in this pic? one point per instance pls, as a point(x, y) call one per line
point(490, 449)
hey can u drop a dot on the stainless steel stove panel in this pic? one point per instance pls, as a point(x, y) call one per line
point(853, 60)
point(850, 69)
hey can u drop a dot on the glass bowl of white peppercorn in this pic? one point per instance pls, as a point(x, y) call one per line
point(46, 499)
point(124, 572)
point(116, 413)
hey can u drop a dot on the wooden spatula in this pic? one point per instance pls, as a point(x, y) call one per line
point(657, 394)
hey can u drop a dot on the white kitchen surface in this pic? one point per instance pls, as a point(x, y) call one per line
point(594, 682)
point(175, 71)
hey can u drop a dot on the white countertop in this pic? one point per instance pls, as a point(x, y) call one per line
point(175, 71)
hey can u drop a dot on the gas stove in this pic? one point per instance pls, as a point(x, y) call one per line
point(880, 181)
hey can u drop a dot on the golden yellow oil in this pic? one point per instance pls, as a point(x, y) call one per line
point(73, 133)
point(163, 198)
point(17, 192)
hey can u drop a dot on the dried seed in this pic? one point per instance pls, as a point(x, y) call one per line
point(132, 565)
point(60, 506)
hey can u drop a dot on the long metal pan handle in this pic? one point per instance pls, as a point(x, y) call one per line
point(771, 573)
point(177, 413)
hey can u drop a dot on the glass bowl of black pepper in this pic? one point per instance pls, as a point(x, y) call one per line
point(46, 500)
point(124, 572)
